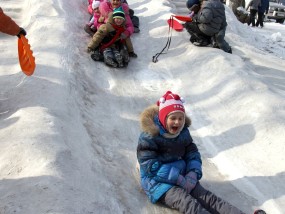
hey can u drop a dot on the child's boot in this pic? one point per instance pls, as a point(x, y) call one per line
point(109, 58)
point(109, 61)
point(125, 55)
point(259, 212)
point(89, 30)
point(97, 56)
point(119, 58)
point(133, 54)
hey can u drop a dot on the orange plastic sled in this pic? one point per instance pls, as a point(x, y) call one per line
point(26, 58)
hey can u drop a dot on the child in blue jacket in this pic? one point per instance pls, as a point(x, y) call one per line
point(170, 163)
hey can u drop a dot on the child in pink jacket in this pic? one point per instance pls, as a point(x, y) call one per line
point(107, 7)
point(95, 20)
point(89, 8)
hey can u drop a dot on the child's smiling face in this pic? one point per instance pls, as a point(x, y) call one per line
point(96, 10)
point(116, 3)
point(175, 122)
point(118, 21)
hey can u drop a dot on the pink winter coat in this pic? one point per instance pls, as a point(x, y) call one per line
point(95, 21)
point(106, 8)
point(89, 8)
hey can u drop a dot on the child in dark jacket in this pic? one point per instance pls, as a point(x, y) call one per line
point(170, 163)
point(111, 42)
point(209, 24)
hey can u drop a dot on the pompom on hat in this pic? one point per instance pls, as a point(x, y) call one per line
point(169, 103)
point(95, 4)
point(118, 13)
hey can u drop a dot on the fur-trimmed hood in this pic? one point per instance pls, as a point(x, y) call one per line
point(147, 120)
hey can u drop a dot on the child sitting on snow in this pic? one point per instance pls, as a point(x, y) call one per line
point(170, 162)
point(95, 20)
point(110, 41)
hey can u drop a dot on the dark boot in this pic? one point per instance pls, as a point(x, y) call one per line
point(201, 42)
point(97, 56)
point(109, 61)
point(136, 30)
point(119, 59)
point(230, 51)
point(133, 54)
point(89, 30)
point(259, 212)
point(109, 57)
point(125, 55)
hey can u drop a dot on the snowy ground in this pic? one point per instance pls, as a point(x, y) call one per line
point(69, 132)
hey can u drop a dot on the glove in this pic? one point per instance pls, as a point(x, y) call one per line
point(22, 32)
point(195, 8)
point(191, 178)
point(185, 183)
point(101, 19)
point(191, 14)
point(89, 50)
point(123, 36)
point(194, 18)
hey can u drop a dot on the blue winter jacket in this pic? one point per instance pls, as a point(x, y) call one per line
point(264, 6)
point(163, 159)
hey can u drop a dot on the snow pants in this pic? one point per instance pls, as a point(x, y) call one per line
point(217, 40)
point(220, 40)
point(260, 17)
point(116, 58)
point(196, 34)
point(252, 17)
point(199, 201)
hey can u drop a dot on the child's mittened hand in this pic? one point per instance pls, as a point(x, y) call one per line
point(123, 36)
point(191, 175)
point(101, 19)
point(186, 184)
point(189, 185)
point(195, 8)
point(181, 181)
point(191, 181)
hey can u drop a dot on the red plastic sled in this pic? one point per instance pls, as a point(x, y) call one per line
point(183, 18)
point(177, 25)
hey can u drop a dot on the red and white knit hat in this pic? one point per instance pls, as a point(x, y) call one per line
point(169, 103)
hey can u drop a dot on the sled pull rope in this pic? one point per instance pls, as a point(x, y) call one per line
point(155, 57)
